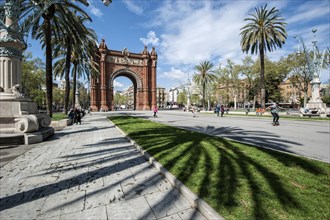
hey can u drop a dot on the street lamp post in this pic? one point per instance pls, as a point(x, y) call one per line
point(314, 67)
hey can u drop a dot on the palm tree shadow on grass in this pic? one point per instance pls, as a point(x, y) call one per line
point(272, 179)
point(256, 138)
point(231, 162)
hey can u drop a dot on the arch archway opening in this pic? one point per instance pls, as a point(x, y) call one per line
point(124, 93)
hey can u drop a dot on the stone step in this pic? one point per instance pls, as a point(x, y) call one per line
point(11, 139)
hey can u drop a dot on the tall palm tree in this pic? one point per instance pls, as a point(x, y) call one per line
point(64, 52)
point(79, 54)
point(41, 16)
point(265, 31)
point(204, 76)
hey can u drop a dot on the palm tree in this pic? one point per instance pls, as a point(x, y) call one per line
point(80, 55)
point(204, 76)
point(41, 19)
point(64, 53)
point(265, 31)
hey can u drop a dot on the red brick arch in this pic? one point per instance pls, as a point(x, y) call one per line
point(140, 68)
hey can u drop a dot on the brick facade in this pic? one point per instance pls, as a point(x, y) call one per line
point(140, 68)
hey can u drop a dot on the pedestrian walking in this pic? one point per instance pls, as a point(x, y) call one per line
point(155, 112)
point(89, 110)
point(247, 110)
point(217, 109)
point(222, 109)
point(71, 116)
point(193, 111)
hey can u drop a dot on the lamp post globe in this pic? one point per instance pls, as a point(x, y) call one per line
point(106, 2)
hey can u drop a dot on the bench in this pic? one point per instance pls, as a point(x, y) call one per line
point(310, 115)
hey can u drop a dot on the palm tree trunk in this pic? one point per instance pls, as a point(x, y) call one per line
point(49, 68)
point(67, 78)
point(262, 76)
point(49, 58)
point(204, 95)
point(74, 82)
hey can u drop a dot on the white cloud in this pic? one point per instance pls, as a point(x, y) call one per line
point(308, 11)
point(94, 10)
point(151, 39)
point(174, 74)
point(196, 31)
point(193, 31)
point(118, 84)
point(133, 7)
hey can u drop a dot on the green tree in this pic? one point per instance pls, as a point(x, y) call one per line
point(33, 78)
point(326, 93)
point(204, 76)
point(300, 76)
point(58, 99)
point(195, 99)
point(248, 71)
point(120, 99)
point(265, 31)
point(182, 98)
point(276, 74)
point(228, 81)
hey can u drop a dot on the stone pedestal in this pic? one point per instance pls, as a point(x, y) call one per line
point(20, 122)
point(315, 103)
point(19, 116)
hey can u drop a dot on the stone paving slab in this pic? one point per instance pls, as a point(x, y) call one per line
point(88, 171)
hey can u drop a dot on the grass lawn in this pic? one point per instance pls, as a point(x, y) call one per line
point(59, 116)
point(239, 181)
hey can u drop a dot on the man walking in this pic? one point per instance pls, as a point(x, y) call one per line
point(217, 109)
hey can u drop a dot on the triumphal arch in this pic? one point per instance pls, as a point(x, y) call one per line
point(140, 68)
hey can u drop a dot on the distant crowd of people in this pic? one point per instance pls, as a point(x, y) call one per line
point(76, 114)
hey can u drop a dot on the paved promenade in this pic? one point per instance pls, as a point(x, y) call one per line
point(88, 171)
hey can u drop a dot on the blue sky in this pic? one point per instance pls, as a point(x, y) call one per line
point(186, 32)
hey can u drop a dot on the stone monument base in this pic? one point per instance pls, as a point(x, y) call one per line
point(20, 121)
point(27, 138)
point(319, 106)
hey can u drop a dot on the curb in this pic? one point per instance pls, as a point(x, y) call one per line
point(198, 203)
